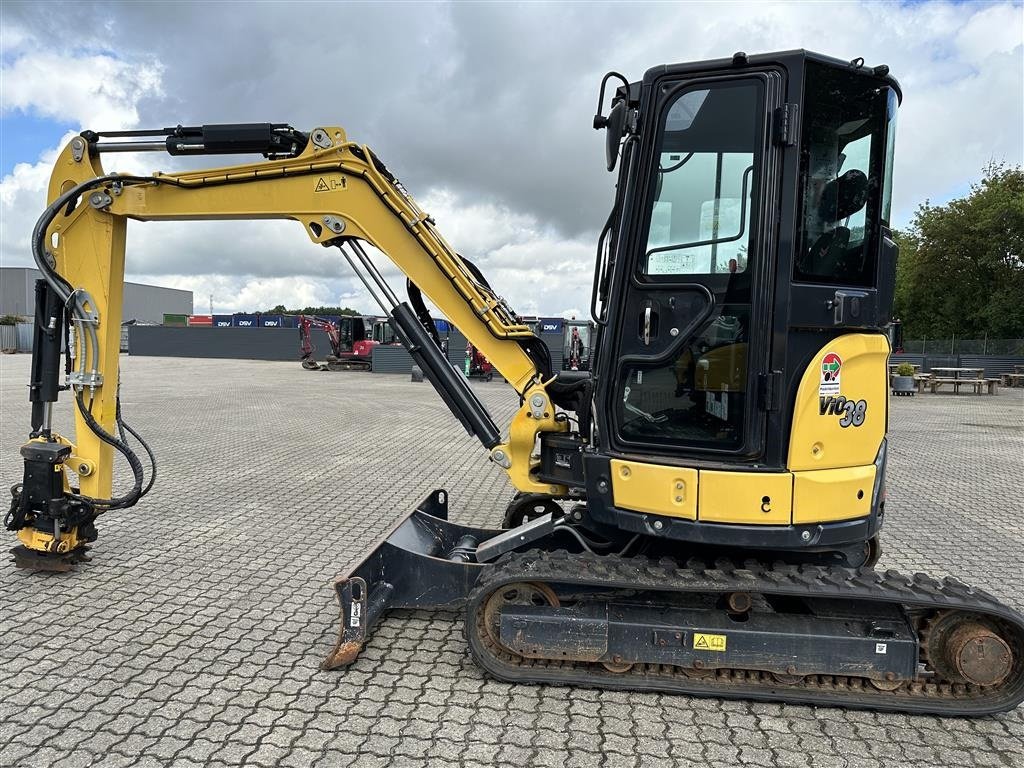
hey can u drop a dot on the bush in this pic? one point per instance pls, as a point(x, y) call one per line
point(904, 369)
point(9, 319)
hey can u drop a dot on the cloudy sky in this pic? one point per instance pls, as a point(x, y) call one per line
point(483, 111)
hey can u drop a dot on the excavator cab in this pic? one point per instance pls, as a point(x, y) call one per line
point(744, 282)
point(752, 229)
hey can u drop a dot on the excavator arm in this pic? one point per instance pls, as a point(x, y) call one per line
point(306, 323)
point(341, 195)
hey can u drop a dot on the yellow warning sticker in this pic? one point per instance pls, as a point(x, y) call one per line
point(703, 642)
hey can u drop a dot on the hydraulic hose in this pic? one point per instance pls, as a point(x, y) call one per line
point(66, 293)
point(138, 471)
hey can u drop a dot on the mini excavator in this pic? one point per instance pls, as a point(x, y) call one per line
point(351, 347)
point(699, 512)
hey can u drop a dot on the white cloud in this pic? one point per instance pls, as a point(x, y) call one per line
point(93, 89)
point(490, 129)
point(990, 31)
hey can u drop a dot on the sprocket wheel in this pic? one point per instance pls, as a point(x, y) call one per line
point(965, 648)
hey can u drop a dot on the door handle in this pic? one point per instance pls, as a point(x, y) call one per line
point(647, 326)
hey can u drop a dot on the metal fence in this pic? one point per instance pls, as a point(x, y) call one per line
point(955, 346)
point(8, 337)
point(993, 365)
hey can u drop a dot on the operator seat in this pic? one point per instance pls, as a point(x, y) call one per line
point(840, 199)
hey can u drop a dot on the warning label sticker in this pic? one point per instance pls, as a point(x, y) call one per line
point(831, 366)
point(330, 183)
point(702, 642)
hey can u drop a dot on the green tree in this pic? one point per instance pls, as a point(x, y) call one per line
point(280, 310)
point(961, 265)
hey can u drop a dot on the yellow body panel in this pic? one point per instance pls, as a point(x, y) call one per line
point(832, 494)
point(750, 498)
point(819, 441)
point(655, 488)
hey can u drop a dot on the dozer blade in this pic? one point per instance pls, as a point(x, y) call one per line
point(423, 562)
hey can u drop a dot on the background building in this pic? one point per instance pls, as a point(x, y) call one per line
point(145, 303)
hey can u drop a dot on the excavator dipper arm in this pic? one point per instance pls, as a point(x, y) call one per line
point(341, 195)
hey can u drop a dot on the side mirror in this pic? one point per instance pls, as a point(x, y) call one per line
point(615, 126)
point(615, 123)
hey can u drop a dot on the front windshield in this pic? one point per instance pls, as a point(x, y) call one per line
point(701, 215)
point(848, 126)
point(705, 187)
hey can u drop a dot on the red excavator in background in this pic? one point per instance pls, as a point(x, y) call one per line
point(477, 366)
point(576, 347)
point(351, 350)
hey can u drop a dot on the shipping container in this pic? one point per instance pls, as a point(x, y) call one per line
point(200, 320)
point(551, 325)
point(178, 321)
point(247, 321)
point(223, 321)
point(270, 321)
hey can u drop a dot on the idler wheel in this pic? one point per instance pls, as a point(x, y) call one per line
point(517, 593)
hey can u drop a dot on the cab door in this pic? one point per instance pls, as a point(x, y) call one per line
point(695, 311)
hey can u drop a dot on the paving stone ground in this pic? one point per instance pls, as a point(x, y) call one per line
point(193, 637)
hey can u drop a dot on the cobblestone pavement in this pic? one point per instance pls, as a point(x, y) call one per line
point(193, 637)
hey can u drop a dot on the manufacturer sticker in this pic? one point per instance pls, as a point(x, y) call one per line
point(881, 647)
point(831, 365)
point(356, 615)
point(702, 642)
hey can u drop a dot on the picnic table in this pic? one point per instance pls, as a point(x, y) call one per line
point(962, 377)
point(1014, 379)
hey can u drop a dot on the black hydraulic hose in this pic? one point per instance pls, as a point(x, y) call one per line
point(132, 497)
point(58, 283)
point(122, 427)
point(152, 460)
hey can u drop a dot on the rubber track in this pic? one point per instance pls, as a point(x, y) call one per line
point(918, 593)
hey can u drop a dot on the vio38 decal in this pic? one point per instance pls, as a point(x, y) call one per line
point(852, 412)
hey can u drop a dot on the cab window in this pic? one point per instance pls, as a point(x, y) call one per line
point(700, 219)
point(844, 175)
